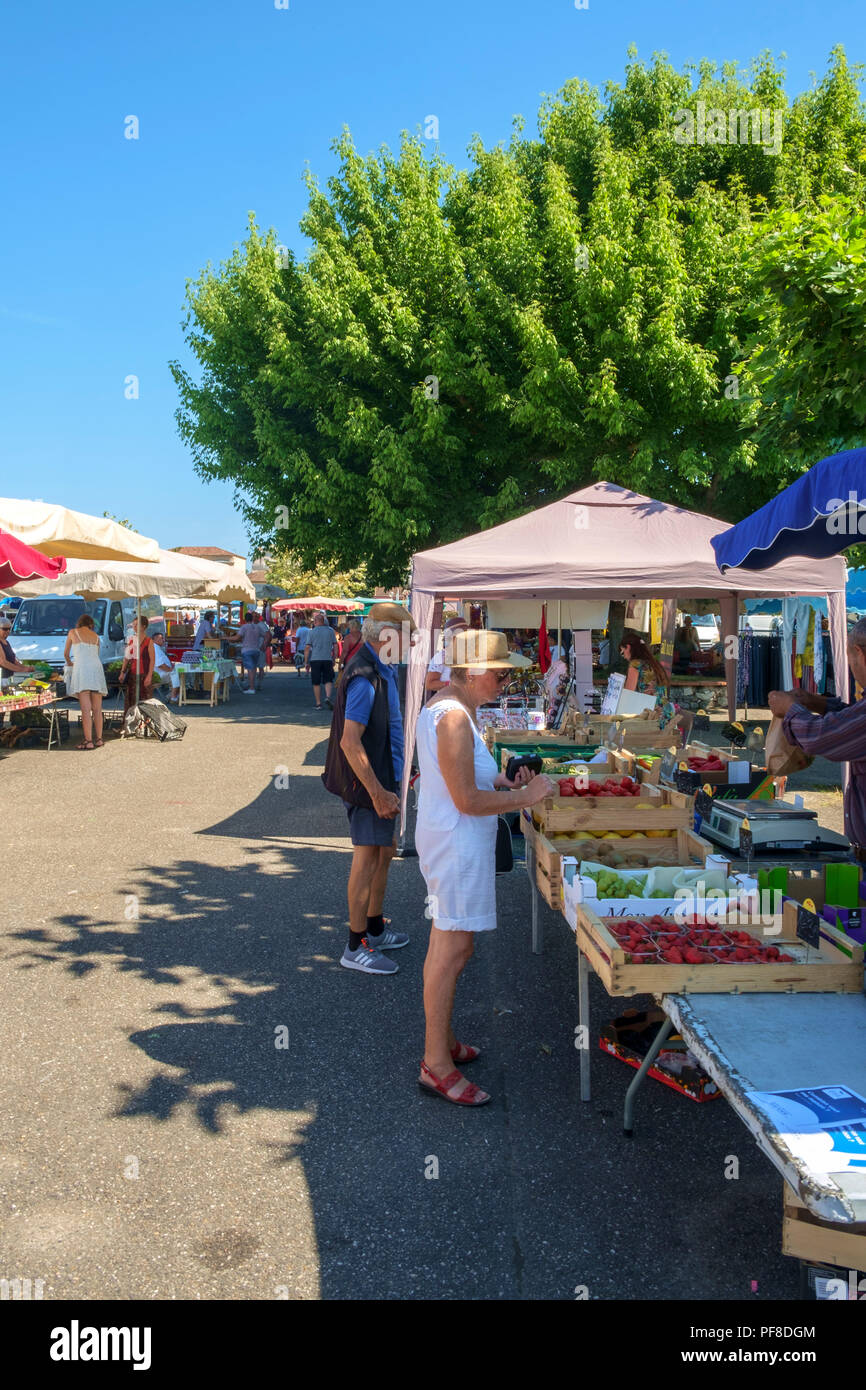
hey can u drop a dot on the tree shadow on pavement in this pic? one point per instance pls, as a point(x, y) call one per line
point(268, 936)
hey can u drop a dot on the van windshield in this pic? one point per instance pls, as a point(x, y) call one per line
point(53, 617)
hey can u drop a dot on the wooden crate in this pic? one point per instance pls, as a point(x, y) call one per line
point(649, 811)
point(639, 733)
point(806, 1237)
point(681, 848)
point(703, 750)
point(829, 970)
point(645, 774)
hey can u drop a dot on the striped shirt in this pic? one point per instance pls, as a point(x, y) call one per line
point(839, 735)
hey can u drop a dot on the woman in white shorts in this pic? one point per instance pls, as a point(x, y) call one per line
point(461, 794)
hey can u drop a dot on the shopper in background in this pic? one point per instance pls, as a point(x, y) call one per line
point(249, 640)
point(462, 793)
point(86, 679)
point(205, 629)
point(319, 657)
point(302, 637)
point(163, 667)
point(438, 674)
point(265, 650)
point(351, 642)
point(136, 671)
point(364, 767)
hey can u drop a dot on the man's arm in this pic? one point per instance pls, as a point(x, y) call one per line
point(839, 735)
point(386, 804)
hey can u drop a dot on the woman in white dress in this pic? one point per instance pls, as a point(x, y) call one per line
point(87, 679)
point(461, 795)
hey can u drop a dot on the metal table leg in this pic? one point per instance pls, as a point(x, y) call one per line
point(537, 939)
point(583, 1020)
point(631, 1094)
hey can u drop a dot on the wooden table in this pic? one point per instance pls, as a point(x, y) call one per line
point(216, 681)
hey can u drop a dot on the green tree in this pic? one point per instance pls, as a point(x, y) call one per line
point(805, 375)
point(290, 573)
point(121, 521)
point(462, 346)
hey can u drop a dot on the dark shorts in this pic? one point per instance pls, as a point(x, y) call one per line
point(322, 672)
point(366, 828)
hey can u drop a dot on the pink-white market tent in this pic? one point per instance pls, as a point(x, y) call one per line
point(606, 542)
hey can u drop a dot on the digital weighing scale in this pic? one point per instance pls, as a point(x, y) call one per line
point(775, 825)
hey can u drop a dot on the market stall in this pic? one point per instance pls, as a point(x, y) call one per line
point(174, 577)
point(602, 542)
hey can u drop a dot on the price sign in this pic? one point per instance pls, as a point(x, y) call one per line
point(747, 845)
point(808, 923)
point(704, 801)
point(701, 720)
point(685, 781)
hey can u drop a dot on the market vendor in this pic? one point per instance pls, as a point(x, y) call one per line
point(839, 733)
point(9, 664)
point(438, 674)
point(645, 672)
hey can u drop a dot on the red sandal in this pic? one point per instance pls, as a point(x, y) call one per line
point(464, 1052)
point(470, 1095)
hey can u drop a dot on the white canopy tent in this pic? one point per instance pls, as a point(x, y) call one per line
point(173, 576)
point(604, 542)
point(55, 530)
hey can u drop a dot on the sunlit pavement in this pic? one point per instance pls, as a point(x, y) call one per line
point(200, 1103)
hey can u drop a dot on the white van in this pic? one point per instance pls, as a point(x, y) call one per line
point(41, 624)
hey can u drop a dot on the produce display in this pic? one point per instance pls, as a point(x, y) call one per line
point(611, 786)
point(613, 885)
point(710, 764)
point(573, 836)
point(694, 941)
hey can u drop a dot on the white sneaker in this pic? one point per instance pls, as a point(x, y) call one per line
point(249, 692)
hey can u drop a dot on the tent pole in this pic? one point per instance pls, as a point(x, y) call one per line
point(137, 649)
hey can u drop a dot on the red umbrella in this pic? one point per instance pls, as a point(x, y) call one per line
point(19, 561)
point(330, 605)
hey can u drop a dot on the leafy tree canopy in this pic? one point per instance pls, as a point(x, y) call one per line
point(289, 572)
point(461, 346)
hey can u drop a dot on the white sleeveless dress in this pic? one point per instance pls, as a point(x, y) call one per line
point(457, 853)
point(88, 672)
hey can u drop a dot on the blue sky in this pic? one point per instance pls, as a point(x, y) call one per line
point(234, 98)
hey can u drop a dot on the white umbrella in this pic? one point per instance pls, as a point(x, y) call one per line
point(173, 576)
point(56, 530)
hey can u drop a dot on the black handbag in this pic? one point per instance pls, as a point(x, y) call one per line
point(504, 846)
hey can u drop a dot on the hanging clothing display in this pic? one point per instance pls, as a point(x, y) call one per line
point(744, 666)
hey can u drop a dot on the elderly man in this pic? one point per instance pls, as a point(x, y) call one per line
point(364, 767)
point(438, 674)
point(839, 734)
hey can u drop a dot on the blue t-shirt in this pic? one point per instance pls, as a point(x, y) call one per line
point(359, 707)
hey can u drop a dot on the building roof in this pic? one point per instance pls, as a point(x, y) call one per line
point(207, 552)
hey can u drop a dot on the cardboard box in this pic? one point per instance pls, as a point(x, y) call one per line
point(629, 1038)
point(806, 1237)
point(580, 890)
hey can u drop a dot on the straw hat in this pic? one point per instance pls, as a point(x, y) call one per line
point(392, 613)
point(480, 648)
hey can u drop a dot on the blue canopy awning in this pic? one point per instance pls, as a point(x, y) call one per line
point(818, 515)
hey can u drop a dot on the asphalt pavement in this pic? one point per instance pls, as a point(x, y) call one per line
point(200, 1103)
